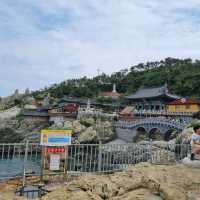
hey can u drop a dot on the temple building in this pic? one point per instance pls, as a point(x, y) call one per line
point(184, 105)
point(155, 98)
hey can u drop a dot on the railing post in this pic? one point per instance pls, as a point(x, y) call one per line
point(24, 166)
point(100, 156)
point(42, 163)
point(150, 151)
point(66, 160)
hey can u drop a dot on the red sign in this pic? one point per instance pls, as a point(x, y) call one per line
point(55, 150)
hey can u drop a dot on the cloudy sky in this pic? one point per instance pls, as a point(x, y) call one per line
point(48, 41)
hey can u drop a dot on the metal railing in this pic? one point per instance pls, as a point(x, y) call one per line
point(98, 113)
point(12, 159)
point(162, 112)
point(105, 158)
point(88, 158)
point(131, 124)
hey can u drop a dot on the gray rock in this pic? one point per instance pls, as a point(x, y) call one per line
point(68, 124)
point(88, 135)
point(189, 163)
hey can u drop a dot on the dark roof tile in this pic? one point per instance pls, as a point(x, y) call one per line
point(152, 92)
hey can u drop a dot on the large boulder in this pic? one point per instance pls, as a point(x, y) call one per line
point(87, 121)
point(105, 131)
point(92, 132)
point(10, 113)
point(191, 163)
point(185, 136)
point(9, 135)
point(159, 144)
point(68, 125)
point(57, 125)
point(78, 127)
point(89, 135)
point(107, 124)
point(108, 134)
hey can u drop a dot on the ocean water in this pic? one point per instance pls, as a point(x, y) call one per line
point(10, 168)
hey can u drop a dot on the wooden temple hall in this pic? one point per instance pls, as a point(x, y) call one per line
point(155, 98)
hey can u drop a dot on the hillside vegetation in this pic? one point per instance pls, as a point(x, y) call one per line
point(182, 76)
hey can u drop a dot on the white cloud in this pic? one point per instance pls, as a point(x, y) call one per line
point(52, 40)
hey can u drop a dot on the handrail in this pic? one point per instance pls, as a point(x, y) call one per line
point(162, 112)
point(149, 121)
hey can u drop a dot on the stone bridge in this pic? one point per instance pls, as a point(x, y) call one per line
point(128, 130)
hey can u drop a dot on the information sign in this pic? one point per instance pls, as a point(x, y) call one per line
point(54, 162)
point(55, 137)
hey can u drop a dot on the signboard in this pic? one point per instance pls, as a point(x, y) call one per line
point(54, 162)
point(55, 137)
point(55, 150)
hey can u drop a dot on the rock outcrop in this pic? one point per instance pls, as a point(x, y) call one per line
point(9, 113)
point(88, 121)
point(142, 182)
point(78, 127)
point(185, 136)
point(87, 130)
point(7, 190)
point(192, 163)
point(16, 130)
point(89, 135)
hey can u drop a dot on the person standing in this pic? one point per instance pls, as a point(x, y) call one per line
point(195, 142)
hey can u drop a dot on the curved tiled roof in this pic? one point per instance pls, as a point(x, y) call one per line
point(35, 113)
point(152, 92)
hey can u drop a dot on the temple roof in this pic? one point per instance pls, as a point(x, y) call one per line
point(34, 113)
point(127, 110)
point(93, 102)
point(152, 92)
point(184, 101)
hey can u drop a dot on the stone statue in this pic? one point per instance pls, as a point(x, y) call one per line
point(88, 105)
point(114, 88)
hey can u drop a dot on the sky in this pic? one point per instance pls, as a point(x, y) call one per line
point(43, 42)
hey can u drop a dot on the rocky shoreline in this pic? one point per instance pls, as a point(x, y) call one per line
point(142, 182)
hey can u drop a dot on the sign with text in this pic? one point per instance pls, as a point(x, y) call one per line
point(55, 162)
point(55, 137)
